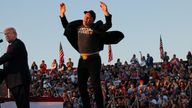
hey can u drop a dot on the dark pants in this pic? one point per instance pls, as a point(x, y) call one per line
point(21, 96)
point(90, 68)
point(2, 75)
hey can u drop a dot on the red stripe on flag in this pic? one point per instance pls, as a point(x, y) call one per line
point(110, 55)
point(61, 54)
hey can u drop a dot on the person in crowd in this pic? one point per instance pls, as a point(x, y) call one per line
point(43, 67)
point(165, 57)
point(149, 61)
point(69, 64)
point(134, 60)
point(189, 56)
point(66, 100)
point(62, 67)
point(174, 60)
point(118, 63)
point(54, 66)
point(34, 67)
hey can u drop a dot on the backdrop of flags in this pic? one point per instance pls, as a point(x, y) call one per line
point(110, 54)
point(61, 54)
point(161, 48)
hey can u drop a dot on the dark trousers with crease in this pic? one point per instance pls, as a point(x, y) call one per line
point(21, 96)
point(90, 68)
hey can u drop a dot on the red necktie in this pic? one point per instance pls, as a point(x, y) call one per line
point(9, 48)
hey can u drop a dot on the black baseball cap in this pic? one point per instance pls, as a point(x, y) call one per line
point(92, 13)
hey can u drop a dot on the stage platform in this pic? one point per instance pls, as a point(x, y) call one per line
point(35, 102)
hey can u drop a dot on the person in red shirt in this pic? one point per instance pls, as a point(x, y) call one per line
point(166, 66)
point(174, 60)
point(43, 67)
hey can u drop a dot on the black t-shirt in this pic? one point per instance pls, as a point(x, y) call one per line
point(88, 41)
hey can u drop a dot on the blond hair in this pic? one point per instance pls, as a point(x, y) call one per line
point(8, 29)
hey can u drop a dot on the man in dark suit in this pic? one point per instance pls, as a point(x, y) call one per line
point(88, 38)
point(15, 68)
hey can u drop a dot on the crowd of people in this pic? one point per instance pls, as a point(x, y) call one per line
point(141, 83)
point(166, 84)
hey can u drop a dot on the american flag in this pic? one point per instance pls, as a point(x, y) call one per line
point(110, 55)
point(161, 48)
point(61, 54)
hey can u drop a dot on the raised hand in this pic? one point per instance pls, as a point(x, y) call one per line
point(62, 9)
point(104, 8)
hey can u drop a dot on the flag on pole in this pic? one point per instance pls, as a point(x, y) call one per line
point(161, 48)
point(110, 55)
point(61, 54)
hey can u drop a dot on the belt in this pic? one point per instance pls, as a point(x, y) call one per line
point(86, 55)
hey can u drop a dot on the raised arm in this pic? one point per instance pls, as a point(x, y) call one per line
point(108, 16)
point(62, 15)
point(62, 9)
point(104, 8)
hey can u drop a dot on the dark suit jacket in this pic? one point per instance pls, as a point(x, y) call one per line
point(111, 37)
point(15, 64)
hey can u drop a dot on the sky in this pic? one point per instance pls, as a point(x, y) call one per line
point(142, 22)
